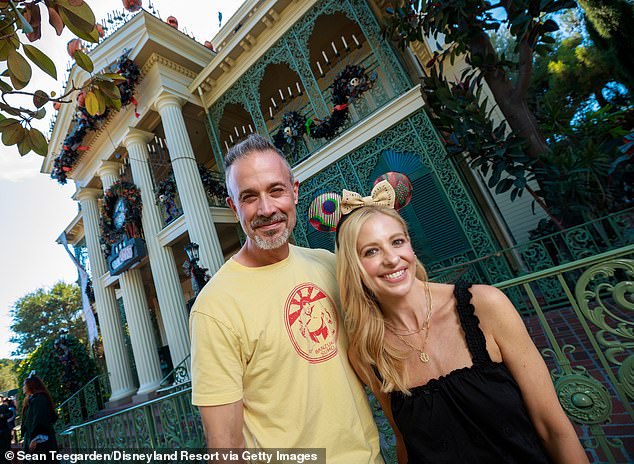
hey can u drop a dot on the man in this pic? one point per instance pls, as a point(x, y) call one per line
point(269, 364)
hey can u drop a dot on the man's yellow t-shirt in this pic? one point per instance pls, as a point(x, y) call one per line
point(273, 337)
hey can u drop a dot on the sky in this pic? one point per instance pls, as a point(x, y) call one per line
point(34, 209)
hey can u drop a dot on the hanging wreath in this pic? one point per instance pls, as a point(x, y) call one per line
point(292, 129)
point(120, 214)
point(73, 144)
point(349, 84)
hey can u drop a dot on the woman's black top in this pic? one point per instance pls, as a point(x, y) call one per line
point(471, 415)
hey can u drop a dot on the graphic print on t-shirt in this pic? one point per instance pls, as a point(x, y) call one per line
point(311, 323)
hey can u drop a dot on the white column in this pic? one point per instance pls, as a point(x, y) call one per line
point(137, 312)
point(148, 366)
point(196, 210)
point(164, 271)
point(109, 173)
point(121, 379)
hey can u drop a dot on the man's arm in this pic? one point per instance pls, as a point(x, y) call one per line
point(223, 425)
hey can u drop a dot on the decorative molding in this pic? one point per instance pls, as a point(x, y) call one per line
point(156, 58)
point(177, 228)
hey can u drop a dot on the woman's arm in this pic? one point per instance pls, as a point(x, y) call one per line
point(499, 317)
point(384, 400)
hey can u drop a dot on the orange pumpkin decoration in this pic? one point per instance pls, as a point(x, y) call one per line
point(209, 45)
point(100, 30)
point(57, 105)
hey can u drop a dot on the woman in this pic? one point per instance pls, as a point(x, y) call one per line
point(453, 367)
point(38, 415)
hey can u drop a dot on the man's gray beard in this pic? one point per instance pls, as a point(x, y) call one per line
point(272, 243)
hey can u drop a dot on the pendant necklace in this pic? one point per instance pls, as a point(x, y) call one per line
point(422, 354)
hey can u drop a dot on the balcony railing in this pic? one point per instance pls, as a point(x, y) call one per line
point(597, 236)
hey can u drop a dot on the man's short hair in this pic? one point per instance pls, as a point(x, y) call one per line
point(252, 144)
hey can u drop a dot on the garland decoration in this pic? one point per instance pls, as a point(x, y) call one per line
point(293, 127)
point(349, 84)
point(166, 191)
point(84, 123)
point(131, 227)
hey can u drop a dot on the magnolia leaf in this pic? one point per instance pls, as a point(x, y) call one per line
point(110, 90)
point(37, 141)
point(17, 83)
point(113, 76)
point(40, 113)
point(92, 103)
point(79, 9)
point(83, 61)
point(5, 48)
point(40, 59)
point(13, 134)
point(7, 122)
point(34, 17)
point(75, 2)
point(4, 87)
point(19, 67)
point(101, 101)
point(78, 25)
point(40, 98)
point(24, 146)
point(55, 20)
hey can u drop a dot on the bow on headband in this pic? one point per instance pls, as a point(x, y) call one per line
point(382, 195)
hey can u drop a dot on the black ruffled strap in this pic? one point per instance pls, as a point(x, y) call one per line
point(476, 342)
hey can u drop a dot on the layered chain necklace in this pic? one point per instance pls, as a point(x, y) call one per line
point(422, 354)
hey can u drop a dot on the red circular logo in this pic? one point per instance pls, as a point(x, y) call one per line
point(311, 323)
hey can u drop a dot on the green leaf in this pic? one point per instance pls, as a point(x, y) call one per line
point(19, 67)
point(24, 146)
point(40, 113)
point(92, 103)
point(84, 61)
point(13, 134)
point(113, 76)
point(78, 25)
point(6, 122)
point(5, 87)
point(40, 59)
point(40, 98)
point(37, 141)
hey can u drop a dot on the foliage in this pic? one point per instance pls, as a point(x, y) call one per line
point(43, 313)
point(131, 227)
point(465, 28)
point(64, 366)
point(609, 24)
point(99, 97)
point(26, 17)
point(8, 375)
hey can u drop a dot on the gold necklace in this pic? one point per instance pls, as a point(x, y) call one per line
point(422, 354)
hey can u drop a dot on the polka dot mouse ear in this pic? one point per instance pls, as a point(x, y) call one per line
point(401, 185)
point(325, 211)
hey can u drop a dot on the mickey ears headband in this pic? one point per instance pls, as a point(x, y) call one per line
point(391, 189)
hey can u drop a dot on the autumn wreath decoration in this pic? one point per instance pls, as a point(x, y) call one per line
point(73, 145)
point(292, 128)
point(349, 84)
point(131, 226)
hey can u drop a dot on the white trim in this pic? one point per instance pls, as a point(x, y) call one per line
point(178, 227)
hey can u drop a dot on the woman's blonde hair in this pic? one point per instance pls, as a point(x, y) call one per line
point(376, 361)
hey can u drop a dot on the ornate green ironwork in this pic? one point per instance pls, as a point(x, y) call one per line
point(292, 49)
point(412, 135)
point(178, 379)
point(84, 403)
point(601, 331)
point(169, 422)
